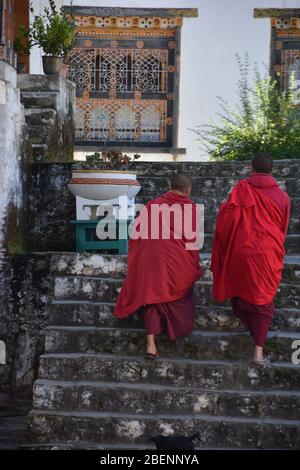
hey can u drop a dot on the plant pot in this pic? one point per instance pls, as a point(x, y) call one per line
point(64, 70)
point(52, 64)
point(101, 185)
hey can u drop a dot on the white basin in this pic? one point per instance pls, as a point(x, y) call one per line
point(101, 185)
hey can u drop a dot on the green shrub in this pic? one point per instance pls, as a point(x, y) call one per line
point(22, 41)
point(54, 31)
point(265, 120)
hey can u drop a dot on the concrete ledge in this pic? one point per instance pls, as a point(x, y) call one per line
point(8, 73)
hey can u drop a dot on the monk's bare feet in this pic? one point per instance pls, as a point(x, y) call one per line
point(259, 357)
point(151, 346)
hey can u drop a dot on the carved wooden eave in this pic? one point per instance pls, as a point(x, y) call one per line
point(115, 22)
point(276, 12)
point(284, 21)
point(131, 12)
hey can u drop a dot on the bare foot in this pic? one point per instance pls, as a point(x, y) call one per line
point(151, 346)
point(258, 357)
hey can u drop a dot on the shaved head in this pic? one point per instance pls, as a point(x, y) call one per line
point(262, 163)
point(181, 183)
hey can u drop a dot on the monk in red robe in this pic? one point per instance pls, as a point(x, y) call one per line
point(162, 270)
point(248, 250)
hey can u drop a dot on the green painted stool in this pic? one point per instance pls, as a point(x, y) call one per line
point(87, 240)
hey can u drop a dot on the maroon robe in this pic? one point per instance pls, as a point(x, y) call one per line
point(176, 318)
point(258, 318)
point(162, 273)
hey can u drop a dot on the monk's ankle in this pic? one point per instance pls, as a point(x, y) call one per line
point(151, 346)
point(258, 353)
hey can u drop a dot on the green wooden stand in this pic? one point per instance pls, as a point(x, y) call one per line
point(87, 240)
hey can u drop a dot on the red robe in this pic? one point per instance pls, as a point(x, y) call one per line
point(159, 270)
point(248, 249)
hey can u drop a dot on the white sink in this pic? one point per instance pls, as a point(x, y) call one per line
point(101, 185)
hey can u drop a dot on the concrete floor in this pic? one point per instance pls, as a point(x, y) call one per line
point(13, 417)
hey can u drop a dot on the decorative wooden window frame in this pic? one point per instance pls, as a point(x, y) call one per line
point(126, 66)
point(285, 45)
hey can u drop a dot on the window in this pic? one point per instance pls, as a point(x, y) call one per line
point(125, 65)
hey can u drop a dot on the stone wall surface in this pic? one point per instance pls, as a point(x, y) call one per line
point(12, 153)
point(11, 188)
point(52, 207)
point(36, 116)
point(23, 320)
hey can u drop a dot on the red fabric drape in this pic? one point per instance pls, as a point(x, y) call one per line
point(248, 249)
point(159, 270)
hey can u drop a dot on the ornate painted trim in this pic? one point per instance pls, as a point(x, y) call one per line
point(276, 12)
point(110, 181)
point(125, 172)
point(124, 33)
point(118, 12)
point(127, 22)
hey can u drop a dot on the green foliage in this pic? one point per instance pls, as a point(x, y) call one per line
point(115, 160)
point(54, 31)
point(265, 120)
point(23, 41)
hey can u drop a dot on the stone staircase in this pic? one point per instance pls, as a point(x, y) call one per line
point(95, 389)
point(48, 114)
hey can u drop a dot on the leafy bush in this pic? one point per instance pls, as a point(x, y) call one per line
point(54, 31)
point(115, 160)
point(265, 120)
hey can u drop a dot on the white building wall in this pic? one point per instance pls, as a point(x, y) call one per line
point(11, 128)
point(209, 45)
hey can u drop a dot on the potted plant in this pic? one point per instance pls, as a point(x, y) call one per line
point(54, 32)
point(115, 181)
point(22, 46)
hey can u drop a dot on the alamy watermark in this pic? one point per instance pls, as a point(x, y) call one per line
point(296, 353)
point(2, 353)
point(156, 222)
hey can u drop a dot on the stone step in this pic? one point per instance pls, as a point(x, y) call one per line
point(107, 290)
point(40, 117)
point(199, 345)
point(215, 431)
point(88, 445)
point(84, 313)
point(42, 83)
point(156, 399)
point(115, 266)
point(38, 152)
point(39, 134)
point(40, 99)
point(217, 375)
point(204, 187)
point(282, 169)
